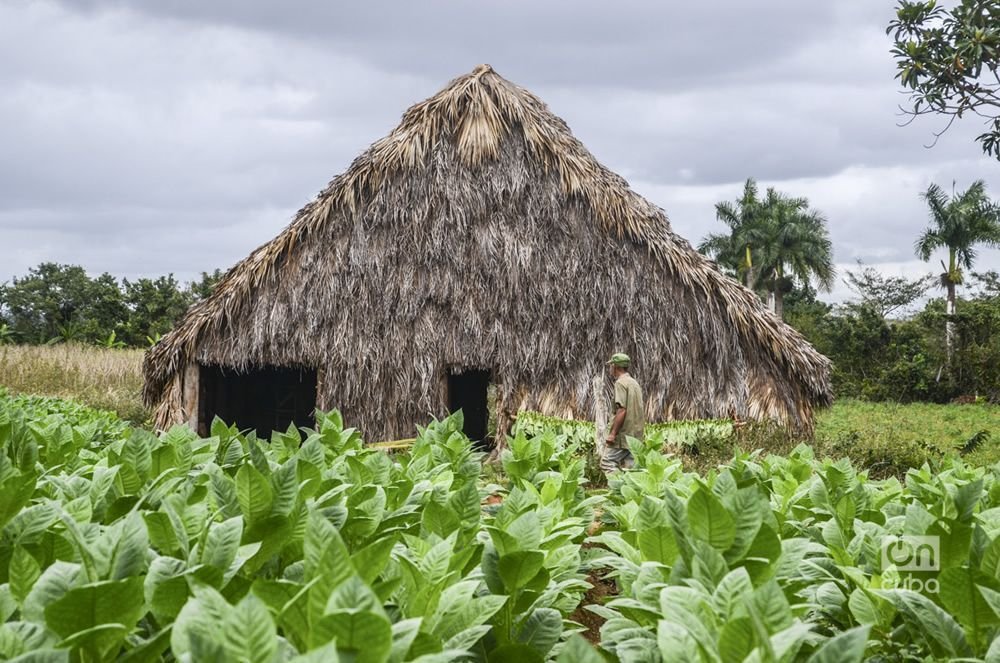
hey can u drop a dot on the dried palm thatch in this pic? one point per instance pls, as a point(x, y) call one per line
point(480, 233)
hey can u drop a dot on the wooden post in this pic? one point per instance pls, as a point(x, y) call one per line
point(190, 395)
point(600, 417)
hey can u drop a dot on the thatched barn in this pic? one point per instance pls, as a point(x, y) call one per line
point(478, 243)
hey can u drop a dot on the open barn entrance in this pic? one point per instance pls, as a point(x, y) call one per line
point(467, 391)
point(263, 399)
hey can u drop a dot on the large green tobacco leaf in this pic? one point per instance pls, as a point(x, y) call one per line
point(433, 567)
point(366, 510)
point(366, 634)
point(137, 459)
point(325, 654)
point(371, 560)
point(732, 591)
point(962, 597)
point(786, 643)
point(28, 526)
point(658, 544)
point(578, 650)
point(736, 640)
point(53, 584)
point(763, 554)
point(847, 647)
point(675, 644)
point(525, 530)
point(19, 638)
point(439, 518)
point(709, 520)
point(287, 602)
point(15, 492)
point(166, 588)
point(8, 606)
point(148, 651)
point(43, 656)
point(222, 544)
point(209, 628)
point(464, 503)
point(254, 493)
point(164, 459)
point(930, 623)
point(772, 607)
point(541, 630)
point(518, 568)
point(327, 564)
point(22, 574)
point(708, 566)
point(249, 632)
point(870, 609)
point(199, 625)
point(224, 494)
point(991, 597)
point(459, 609)
point(404, 635)
point(104, 612)
point(160, 531)
point(515, 652)
point(748, 514)
point(284, 488)
point(953, 542)
point(683, 609)
point(993, 653)
point(129, 549)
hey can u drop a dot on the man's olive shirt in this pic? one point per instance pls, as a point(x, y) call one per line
point(628, 395)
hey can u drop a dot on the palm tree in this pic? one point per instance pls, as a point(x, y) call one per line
point(770, 241)
point(958, 223)
point(792, 242)
point(7, 335)
point(732, 250)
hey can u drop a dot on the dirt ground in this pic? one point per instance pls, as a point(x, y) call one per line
point(598, 594)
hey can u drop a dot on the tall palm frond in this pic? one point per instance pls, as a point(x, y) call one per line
point(724, 250)
point(734, 252)
point(958, 223)
point(794, 241)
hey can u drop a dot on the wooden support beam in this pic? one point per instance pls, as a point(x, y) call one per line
point(190, 395)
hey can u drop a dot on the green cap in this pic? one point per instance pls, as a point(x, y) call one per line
point(620, 359)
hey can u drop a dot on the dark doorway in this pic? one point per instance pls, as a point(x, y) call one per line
point(467, 391)
point(263, 399)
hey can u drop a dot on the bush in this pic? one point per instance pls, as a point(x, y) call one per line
point(905, 360)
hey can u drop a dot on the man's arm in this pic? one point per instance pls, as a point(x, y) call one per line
point(616, 424)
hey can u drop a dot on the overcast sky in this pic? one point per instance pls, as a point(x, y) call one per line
point(143, 137)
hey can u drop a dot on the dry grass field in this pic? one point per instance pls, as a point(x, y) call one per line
point(102, 378)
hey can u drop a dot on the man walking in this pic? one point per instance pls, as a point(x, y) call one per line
point(629, 418)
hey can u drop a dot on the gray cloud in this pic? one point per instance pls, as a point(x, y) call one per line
point(147, 137)
point(632, 42)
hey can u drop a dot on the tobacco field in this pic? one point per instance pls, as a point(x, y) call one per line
point(121, 544)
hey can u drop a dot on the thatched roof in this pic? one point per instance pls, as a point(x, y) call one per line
point(481, 233)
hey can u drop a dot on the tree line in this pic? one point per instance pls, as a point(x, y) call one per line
point(780, 248)
point(883, 351)
point(56, 303)
point(774, 243)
